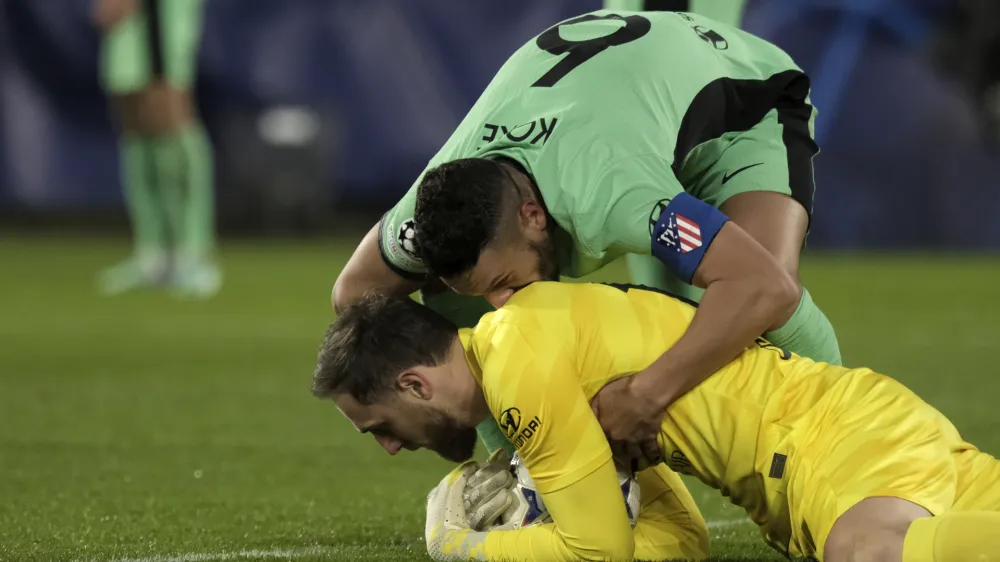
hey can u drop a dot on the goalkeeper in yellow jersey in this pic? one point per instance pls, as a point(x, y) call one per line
point(840, 464)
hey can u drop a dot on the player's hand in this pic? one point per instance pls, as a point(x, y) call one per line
point(489, 492)
point(446, 511)
point(108, 13)
point(631, 421)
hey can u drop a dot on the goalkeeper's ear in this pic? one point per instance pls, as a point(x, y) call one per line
point(415, 383)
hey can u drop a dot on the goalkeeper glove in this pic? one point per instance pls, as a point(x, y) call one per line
point(490, 492)
point(447, 532)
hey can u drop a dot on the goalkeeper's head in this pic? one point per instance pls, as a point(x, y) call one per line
point(398, 371)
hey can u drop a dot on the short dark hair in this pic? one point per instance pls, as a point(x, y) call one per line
point(458, 212)
point(373, 340)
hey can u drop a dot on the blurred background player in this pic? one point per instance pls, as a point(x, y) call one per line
point(148, 65)
point(729, 12)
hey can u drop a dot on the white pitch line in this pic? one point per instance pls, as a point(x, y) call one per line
point(727, 523)
point(253, 554)
point(291, 553)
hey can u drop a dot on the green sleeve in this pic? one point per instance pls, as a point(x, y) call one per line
point(396, 237)
point(625, 198)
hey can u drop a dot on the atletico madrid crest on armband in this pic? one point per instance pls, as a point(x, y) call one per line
point(687, 232)
point(680, 241)
point(682, 233)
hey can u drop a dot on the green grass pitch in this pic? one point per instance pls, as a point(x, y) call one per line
point(144, 429)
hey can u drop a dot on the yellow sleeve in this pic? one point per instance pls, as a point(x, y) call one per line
point(589, 523)
point(534, 391)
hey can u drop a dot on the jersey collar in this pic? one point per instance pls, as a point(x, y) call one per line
point(465, 337)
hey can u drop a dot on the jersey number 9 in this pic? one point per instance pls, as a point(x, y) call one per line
point(582, 51)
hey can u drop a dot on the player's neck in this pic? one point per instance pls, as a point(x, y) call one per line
point(474, 406)
point(478, 408)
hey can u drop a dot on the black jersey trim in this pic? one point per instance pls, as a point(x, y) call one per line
point(154, 39)
point(666, 6)
point(728, 105)
point(625, 287)
point(794, 115)
point(408, 275)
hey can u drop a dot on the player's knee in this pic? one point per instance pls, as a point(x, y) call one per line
point(165, 110)
point(699, 544)
point(871, 545)
point(872, 531)
point(125, 108)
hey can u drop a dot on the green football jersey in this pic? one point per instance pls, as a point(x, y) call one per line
point(608, 112)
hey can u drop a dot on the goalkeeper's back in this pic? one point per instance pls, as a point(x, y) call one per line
point(603, 332)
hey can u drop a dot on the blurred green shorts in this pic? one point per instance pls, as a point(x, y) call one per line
point(160, 38)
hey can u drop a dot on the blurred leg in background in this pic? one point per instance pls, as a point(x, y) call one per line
point(149, 56)
point(729, 12)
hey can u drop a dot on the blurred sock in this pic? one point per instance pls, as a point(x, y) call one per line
point(184, 170)
point(145, 213)
point(198, 237)
point(168, 166)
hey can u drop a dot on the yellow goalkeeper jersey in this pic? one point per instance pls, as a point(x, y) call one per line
point(543, 356)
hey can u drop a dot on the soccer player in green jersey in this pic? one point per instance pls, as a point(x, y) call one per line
point(148, 61)
point(653, 133)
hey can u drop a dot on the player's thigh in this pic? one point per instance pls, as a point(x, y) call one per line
point(148, 64)
point(873, 530)
point(180, 24)
point(174, 33)
point(762, 179)
point(978, 481)
point(670, 526)
point(125, 63)
point(868, 437)
point(160, 39)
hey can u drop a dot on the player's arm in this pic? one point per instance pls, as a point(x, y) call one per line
point(532, 389)
point(563, 448)
point(747, 292)
point(385, 261)
point(586, 524)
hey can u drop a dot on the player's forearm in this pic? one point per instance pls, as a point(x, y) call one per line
point(590, 524)
point(541, 542)
point(731, 315)
point(367, 271)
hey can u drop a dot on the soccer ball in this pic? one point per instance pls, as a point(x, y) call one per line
point(528, 508)
point(407, 237)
